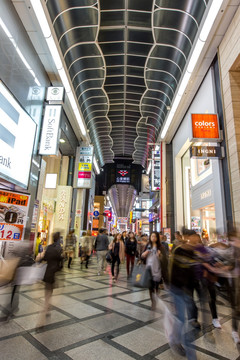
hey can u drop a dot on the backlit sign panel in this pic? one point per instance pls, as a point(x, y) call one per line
point(17, 134)
point(156, 170)
point(205, 127)
point(84, 159)
point(205, 152)
point(50, 131)
point(123, 176)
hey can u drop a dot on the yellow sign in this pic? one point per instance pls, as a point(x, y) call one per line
point(131, 216)
point(85, 167)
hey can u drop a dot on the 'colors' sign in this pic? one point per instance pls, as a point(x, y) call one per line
point(205, 126)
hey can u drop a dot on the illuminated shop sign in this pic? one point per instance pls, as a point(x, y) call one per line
point(84, 160)
point(54, 93)
point(156, 170)
point(17, 134)
point(206, 152)
point(13, 215)
point(50, 132)
point(205, 127)
point(123, 176)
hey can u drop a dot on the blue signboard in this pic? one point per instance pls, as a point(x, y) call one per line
point(96, 213)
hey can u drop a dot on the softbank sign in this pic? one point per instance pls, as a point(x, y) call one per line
point(50, 130)
point(205, 126)
point(17, 134)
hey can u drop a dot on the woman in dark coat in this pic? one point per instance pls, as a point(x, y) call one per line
point(53, 257)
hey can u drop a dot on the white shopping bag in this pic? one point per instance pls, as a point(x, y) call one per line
point(29, 275)
point(170, 322)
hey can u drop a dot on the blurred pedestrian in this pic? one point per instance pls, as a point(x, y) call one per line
point(87, 247)
point(131, 250)
point(181, 284)
point(101, 247)
point(38, 247)
point(53, 257)
point(118, 254)
point(152, 256)
point(71, 241)
point(124, 237)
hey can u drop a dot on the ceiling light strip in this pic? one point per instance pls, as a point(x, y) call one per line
point(20, 54)
point(196, 53)
point(45, 28)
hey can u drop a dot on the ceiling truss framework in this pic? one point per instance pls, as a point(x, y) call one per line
point(125, 59)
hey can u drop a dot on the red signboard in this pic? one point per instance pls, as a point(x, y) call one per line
point(84, 174)
point(205, 126)
point(123, 172)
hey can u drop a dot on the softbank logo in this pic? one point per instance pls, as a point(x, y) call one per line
point(8, 120)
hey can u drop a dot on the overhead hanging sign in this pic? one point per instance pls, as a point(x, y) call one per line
point(55, 93)
point(123, 176)
point(205, 152)
point(83, 168)
point(17, 134)
point(50, 131)
point(13, 215)
point(156, 170)
point(205, 127)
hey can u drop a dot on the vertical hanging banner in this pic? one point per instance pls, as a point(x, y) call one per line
point(83, 167)
point(156, 169)
point(50, 131)
point(13, 215)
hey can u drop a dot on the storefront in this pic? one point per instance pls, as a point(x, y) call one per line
point(198, 188)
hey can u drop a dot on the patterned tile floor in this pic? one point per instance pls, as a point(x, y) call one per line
point(93, 318)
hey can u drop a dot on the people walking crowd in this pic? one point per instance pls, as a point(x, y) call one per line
point(190, 270)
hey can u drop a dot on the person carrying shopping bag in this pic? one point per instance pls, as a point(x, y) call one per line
point(118, 255)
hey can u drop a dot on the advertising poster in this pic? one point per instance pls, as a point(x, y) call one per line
point(167, 232)
point(13, 215)
point(17, 134)
point(156, 170)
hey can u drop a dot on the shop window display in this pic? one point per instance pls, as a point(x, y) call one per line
point(203, 219)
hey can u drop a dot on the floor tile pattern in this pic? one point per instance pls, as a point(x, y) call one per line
point(91, 317)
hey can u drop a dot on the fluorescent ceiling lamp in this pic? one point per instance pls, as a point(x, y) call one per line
point(43, 22)
point(211, 16)
point(206, 28)
point(38, 9)
point(80, 121)
point(54, 52)
point(96, 165)
point(64, 79)
point(20, 54)
point(149, 168)
point(195, 56)
point(183, 85)
point(72, 100)
point(62, 141)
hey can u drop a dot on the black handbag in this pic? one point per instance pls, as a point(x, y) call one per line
point(109, 257)
point(142, 276)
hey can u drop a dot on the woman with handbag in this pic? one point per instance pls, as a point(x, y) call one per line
point(118, 254)
point(152, 255)
point(131, 250)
